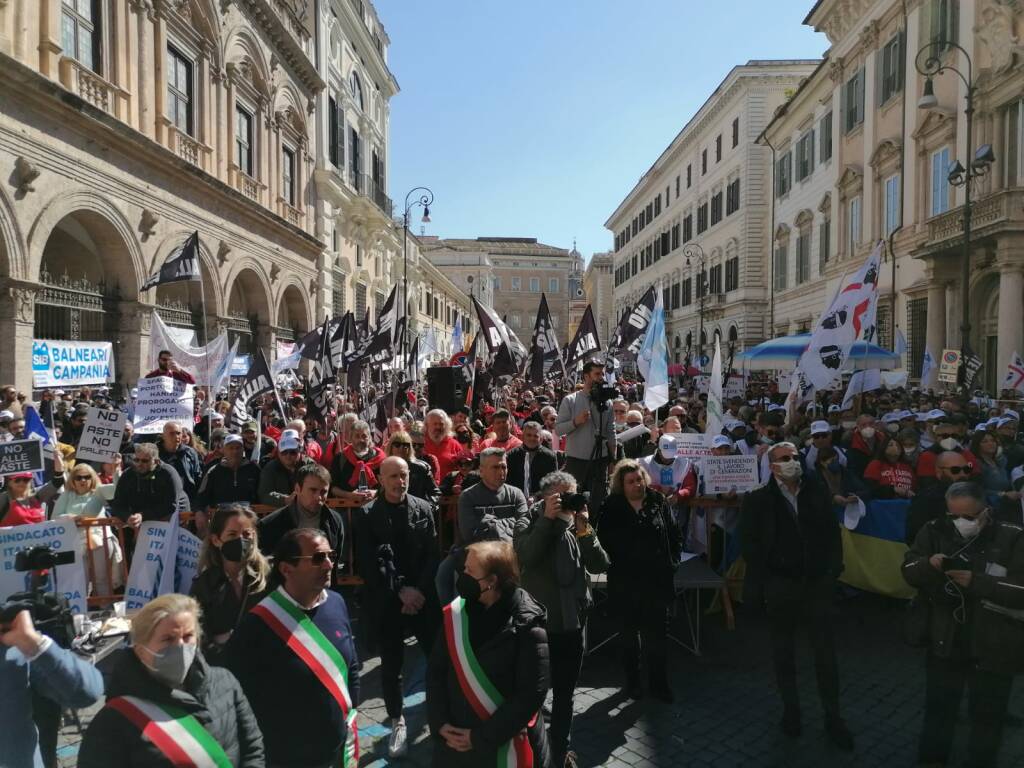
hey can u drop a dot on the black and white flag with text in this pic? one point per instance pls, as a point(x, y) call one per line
point(629, 336)
point(495, 333)
point(321, 375)
point(545, 356)
point(585, 342)
point(344, 342)
point(382, 340)
point(181, 265)
point(258, 381)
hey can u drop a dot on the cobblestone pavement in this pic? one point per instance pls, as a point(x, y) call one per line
point(726, 711)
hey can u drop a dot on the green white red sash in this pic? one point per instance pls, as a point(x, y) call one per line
point(483, 697)
point(307, 642)
point(177, 734)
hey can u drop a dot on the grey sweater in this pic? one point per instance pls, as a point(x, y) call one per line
point(579, 441)
point(486, 515)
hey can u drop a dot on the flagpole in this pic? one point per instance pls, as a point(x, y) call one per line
point(206, 346)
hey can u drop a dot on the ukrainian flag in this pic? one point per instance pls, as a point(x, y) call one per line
point(873, 551)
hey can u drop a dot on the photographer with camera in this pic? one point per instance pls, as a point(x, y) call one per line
point(34, 665)
point(585, 420)
point(969, 569)
point(555, 553)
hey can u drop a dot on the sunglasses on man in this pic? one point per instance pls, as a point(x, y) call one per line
point(318, 558)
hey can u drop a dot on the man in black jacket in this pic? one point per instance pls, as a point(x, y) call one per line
point(148, 490)
point(397, 556)
point(233, 479)
point(791, 543)
point(306, 510)
point(530, 462)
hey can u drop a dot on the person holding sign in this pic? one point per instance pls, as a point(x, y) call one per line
point(167, 367)
point(148, 490)
point(486, 683)
point(295, 656)
point(166, 705)
point(20, 504)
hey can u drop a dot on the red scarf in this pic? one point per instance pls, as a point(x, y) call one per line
point(370, 466)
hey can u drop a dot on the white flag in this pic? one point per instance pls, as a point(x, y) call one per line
point(652, 360)
point(1014, 378)
point(861, 382)
point(850, 316)
point(714, 420)
point(901, 343)
point(927, 366)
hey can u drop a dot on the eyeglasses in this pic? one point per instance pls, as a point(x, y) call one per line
point(81, 477)
point(960, 470)
point(400, 444)
point(318, 558)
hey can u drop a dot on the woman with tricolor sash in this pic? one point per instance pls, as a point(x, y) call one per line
point(295, 657)
point(166, 706)
point(487, 680)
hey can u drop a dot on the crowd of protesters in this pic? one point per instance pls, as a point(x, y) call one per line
point(539, 488)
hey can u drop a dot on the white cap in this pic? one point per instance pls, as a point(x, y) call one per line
point(775, 407)
point(6, 415)
point(1004, 421)
point(834, 409)
point(983, 427)
point(891, 418)
point(721, 441)
point(1009, 413)
point(229, 439)
point(732, 424)
point(667, 446)
point(820, 428)
point(906, 414)
point(289, 441)
point(1016, 474)
point(936, 413)
point(58, 391)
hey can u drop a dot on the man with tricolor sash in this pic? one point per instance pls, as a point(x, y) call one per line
point(295, 656)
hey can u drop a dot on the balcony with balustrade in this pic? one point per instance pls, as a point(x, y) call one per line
point(93, 88)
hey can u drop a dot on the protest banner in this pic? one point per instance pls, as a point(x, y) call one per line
point(186, 563)
point(166, 560)
point(101, 435)
point(71, 363)
point(21, 456)
point(240, 365)
point(60, 535)
point(159, 400)
point(735, 386)
point(729, 473)
point(690, 445)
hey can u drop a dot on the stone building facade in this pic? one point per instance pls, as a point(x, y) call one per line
point(598, 288)
point(707, 195)
point(124, 126)
point(889, 173)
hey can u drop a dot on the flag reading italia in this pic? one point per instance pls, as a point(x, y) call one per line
point(545, 358)
point(585, 341)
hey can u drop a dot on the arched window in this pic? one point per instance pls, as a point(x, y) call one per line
point(356, 87)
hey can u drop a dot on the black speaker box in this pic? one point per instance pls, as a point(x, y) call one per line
point(446, 388)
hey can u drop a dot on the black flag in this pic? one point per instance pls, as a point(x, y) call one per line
point(321, 374)
point(344, 342)
point(585, 341)
point(969, 367)
point(495, 333)
point(258, 381)
point(181, 265)
point(382, 340)
point(629, 336)
point(544, 351)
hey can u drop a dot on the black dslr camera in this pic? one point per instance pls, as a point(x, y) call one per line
point(50, 612)
point(574, 502)
point(602, 394)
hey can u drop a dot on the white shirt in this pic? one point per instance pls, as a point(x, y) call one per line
point(320, 600)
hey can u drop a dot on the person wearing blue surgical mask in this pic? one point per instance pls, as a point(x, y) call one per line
point(162, 685)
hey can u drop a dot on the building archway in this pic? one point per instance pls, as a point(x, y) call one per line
point(248, 310)
point(12, 243)
point(292, 315)
point(180, 304)
point(986, 331)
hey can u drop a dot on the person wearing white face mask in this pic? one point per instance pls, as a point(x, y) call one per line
point(791, 543)
point(968, 567)
point(947, 439)
point(164, 702)
point(863, 443)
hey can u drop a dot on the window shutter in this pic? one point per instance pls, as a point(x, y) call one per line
point(901, 63)
point(881, 58)
point(810, 152)
point(332, 129)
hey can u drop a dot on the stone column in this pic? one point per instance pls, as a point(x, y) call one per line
point(143, 11)
point(49, 39)
point(158, 52)
point(17, 320)
point(936, 334)
point(1011, 299)
point(131, 347)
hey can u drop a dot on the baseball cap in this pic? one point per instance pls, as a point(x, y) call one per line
point(834, 409)
point(6, 416)
point(251, 424)
point(891, 418)
point(229, 439)
point(820, 428)
point(775, 407)
point(935, 414)
point(289, 443)
point(667, 446)
point(721, 441)
point(732, 424)
point(906, 414)
point(20, 476)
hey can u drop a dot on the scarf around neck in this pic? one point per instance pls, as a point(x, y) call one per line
point(371, 465)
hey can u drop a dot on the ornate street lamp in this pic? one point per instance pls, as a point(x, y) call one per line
point(693, 250)
point(425, 199)
point(929, 62)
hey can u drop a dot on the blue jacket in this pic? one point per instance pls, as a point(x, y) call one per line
point(57, 674)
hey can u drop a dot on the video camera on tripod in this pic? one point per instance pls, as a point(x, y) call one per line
point(51, 613)
point(602, 394)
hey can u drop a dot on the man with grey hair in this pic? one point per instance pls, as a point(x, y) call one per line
point(529, 462)
point(148, 490)
point(354, 468)
point(555, 553)
point(791, 543)
point(969, 568)
point(439, 443)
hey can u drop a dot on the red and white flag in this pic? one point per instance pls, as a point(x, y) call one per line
point(1014, 378)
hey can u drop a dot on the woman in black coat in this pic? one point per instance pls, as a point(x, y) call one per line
point(507, 637)
point(164, 672)
point(232, 576)
point(643, 543)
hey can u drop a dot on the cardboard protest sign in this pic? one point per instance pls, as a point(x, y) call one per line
point(166, 560)
point(729, 473)
point(60, 535)
point(159, 400)
point(101, 435)
point(21, 456)
point(690, 445)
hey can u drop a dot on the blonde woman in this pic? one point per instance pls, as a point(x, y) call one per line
point(232, 575)
point(166, 705)
point(86, 496)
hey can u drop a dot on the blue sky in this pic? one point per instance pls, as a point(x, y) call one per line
point(535, 119)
